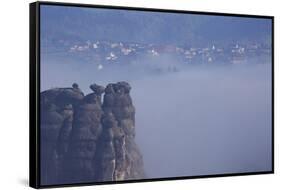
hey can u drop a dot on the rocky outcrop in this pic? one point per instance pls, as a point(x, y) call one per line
point(118, 154)
point(85, 139)
point(86, 127)
point(57, 108)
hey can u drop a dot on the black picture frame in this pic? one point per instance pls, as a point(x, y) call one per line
point(34, 92)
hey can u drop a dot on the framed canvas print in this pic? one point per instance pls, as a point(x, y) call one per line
point(121, 94)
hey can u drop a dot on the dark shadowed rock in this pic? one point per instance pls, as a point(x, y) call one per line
point(119, 161)
point(97, 89)
point(56, 123)
point(75, 86)
point(84, 139)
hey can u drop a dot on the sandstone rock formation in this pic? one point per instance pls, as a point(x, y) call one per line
point(119, 156)
point(85, 139)
point(57, 108)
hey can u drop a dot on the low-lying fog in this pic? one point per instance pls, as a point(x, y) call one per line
point(197, 121)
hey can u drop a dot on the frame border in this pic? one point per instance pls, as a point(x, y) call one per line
point(34, 92)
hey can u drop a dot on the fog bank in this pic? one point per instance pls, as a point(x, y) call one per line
point(198, 121)
point(203, 122)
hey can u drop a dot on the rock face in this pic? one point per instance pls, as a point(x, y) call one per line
point(118, 154)
point(57, 110)
point(85, 139)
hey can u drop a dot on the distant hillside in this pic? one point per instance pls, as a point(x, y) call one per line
point(82, 24)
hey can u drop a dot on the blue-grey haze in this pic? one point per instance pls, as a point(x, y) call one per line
point(81, 24)
point(206, 119)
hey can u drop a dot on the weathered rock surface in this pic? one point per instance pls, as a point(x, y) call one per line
point(57, 108)
point(84, 139)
